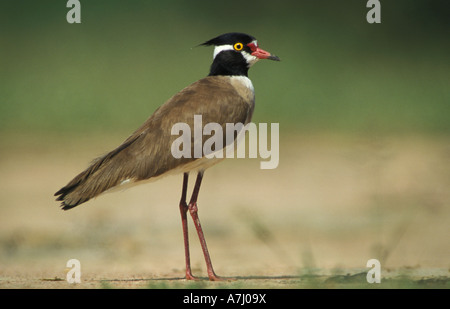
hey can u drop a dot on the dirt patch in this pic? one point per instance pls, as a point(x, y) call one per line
point(333, 203)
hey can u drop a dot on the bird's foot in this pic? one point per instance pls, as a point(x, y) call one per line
point(214, 277)
point(189, 276)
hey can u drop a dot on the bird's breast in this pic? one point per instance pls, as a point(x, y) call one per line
point(245, 89)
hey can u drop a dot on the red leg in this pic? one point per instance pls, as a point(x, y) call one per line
point(183, 210)
point(194, 210)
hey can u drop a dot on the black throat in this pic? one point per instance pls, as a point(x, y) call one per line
point(229, 63)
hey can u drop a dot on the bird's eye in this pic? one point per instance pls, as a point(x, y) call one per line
point(238, 46)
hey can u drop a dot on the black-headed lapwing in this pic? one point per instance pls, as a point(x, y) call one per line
point(226, 95)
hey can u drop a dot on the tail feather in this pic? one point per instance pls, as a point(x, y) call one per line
point(103, 174)
point(82, 188)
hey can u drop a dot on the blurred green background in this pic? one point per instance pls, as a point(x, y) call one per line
point(338, 72)
point(364, 130)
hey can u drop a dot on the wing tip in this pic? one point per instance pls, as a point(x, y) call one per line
point(61, 196)
point(64, 206)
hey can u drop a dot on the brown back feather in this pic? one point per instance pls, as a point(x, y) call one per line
point(147, 152)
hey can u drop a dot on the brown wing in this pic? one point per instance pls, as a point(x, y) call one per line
point(147, 152)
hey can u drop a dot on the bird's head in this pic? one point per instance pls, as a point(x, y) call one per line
point(235, 53)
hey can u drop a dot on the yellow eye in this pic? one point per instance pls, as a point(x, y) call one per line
point(238, 46)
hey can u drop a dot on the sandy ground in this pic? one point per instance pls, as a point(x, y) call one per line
point(333, 203)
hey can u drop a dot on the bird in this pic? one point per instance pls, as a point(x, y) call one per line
point(225, 95)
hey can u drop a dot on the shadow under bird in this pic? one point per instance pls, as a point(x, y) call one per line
point(226, 95)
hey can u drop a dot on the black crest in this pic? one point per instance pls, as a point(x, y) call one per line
point(229, 38)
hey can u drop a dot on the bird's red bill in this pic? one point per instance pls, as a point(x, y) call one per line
point(261, 53)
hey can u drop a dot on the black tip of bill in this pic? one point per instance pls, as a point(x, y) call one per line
point(273, 57)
